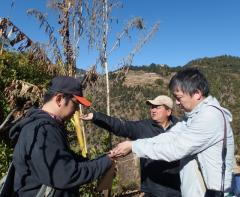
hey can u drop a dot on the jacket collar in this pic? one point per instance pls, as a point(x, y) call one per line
point(173, 120)
point(207, 101)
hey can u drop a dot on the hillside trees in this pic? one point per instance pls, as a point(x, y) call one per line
point(15, 67)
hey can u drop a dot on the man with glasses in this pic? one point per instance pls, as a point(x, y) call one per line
point(203, 140)
point(158, 178)
point(42, 155)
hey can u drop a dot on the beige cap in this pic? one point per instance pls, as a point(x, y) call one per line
point(161, 100)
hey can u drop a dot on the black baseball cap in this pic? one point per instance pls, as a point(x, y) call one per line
point(69, 85)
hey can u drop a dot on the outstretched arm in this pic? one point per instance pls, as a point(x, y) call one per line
point(87, 117)
point(121, 149)
point(182, 140)
point(57, 166)
point(130, 129)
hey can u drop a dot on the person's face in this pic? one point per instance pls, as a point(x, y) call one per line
point(186, 101)
point(68, 108)
point(159, 113)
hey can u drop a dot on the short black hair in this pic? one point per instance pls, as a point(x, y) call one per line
point(189, 80)
point(50, 94)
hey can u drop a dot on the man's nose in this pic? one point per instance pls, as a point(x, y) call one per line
point(177, 102)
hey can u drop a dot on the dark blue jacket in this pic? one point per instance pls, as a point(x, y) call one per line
point(159, 178)
point(42, 156)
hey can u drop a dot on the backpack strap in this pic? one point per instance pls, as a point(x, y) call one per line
point(224, 149)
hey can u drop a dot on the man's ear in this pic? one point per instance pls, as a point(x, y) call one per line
point(169, 112)
point(198, 95)
point(58, 99)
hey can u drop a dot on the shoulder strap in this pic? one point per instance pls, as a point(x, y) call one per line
point(45, 191)
point(224, 149)
point(224, 152)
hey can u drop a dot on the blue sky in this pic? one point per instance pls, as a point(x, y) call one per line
point(189, 29)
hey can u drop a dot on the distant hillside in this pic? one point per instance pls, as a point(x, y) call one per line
point(80, 72)
point(128, 96)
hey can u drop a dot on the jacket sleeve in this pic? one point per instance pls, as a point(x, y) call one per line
point(185, 138)
point(55, 164)
point(130, 129)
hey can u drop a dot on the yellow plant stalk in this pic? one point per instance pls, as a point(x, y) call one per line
point(80, 133)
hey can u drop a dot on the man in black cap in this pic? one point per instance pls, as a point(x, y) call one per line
point(42, 155)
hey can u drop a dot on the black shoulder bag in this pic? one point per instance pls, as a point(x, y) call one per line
point(6, 183)
point(6, 186)
point(210, 192)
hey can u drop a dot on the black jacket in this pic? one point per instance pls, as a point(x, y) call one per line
point(160, 178)
point(42, 156)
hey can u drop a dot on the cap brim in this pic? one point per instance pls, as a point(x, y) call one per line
point(150, 102)
point(83, 101)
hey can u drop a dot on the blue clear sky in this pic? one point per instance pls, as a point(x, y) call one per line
point(189, 29)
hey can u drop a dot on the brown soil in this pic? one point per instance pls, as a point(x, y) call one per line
point(141, 78)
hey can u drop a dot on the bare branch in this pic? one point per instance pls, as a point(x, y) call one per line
point(90, 77)
point(126, 62)
point(142, 42)
point(135, 22)
point(3, 125)
point(49, 30)
point(77, 25)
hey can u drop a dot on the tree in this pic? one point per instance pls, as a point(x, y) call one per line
point(77, 19)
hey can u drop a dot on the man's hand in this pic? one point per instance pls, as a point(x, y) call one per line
point(87, 116)
point(121, 149)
